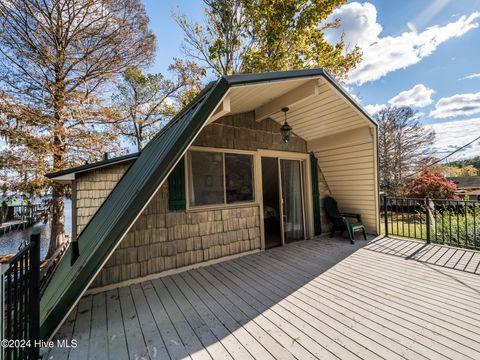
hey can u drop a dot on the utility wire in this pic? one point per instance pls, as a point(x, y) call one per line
point(445, 157)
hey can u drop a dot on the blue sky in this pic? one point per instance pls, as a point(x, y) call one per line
point(416, 52)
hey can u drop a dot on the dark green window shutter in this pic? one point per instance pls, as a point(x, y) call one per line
point(176, 187)
point(316, 195)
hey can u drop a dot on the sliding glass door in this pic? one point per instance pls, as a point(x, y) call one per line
point(292, 195)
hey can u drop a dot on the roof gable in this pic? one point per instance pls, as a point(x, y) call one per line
point(131, 195)
point(120, 209)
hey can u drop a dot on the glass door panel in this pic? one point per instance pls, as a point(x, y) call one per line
point(271, 203)
point(292, 196)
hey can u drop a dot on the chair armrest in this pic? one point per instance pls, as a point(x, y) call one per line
point(338, 219)
point(352, 215)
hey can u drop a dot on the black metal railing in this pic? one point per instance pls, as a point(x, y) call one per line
point(21, 302)
point(448, 222)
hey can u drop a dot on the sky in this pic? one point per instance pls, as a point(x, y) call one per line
point(420, 53)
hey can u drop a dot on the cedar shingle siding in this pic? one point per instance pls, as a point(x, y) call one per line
point(161, 239)
point(242, 132)
point(92, 189)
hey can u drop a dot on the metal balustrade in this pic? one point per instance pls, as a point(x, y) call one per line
point(441, 221)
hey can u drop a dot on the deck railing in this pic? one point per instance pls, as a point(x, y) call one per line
point(20, 302)
point(448, 222)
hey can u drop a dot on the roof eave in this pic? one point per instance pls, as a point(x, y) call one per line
point(68, 175)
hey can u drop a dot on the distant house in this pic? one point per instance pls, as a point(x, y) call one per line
point(467, 186)
point(219, 181)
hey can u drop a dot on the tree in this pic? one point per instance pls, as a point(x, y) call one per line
point(404, 147)
point(431, 184)
point(147, 101)
point(222, 41)
point(264, 35)
point(475, 162)
point(56, 59)
point(468, 170)
point(289, 35)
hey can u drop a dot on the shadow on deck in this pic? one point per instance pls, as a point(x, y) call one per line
point(432, 254)
point(321, 298)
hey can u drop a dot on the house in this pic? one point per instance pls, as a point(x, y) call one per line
point(467, 186)
point(219, 181)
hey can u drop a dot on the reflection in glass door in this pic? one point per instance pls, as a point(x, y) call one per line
point(291, 175)
point(271, 202)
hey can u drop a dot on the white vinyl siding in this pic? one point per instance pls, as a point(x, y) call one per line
point(350, 173)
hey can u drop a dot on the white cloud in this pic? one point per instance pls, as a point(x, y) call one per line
point(372, 109)
point(418, 96)
point(382, 55)
point(453, 134)
point(358, 22)
point(471, 76)
point(457, 105)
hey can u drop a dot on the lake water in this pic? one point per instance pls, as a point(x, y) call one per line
point(10, 241)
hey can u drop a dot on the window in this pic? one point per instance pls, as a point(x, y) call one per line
point(206, 178)
point(238, 177)
point(217, 178)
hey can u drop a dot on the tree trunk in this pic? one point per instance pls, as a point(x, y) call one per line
point(57, 232)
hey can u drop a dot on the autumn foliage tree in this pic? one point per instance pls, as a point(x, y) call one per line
point(468, 170)
point(146, 102)
point(56, 59)
point(431, 184)
point(247, 36)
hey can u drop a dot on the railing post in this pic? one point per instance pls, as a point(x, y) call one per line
point(3, 269)
point(385, 213)
point(34, 330)
point(427, 218)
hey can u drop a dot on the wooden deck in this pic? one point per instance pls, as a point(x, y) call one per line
point(314, 299)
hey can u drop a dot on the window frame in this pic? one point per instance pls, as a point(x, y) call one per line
point(223, 205)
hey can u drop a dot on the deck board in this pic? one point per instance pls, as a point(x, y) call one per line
point(203, 332)
point(98, 348)
point(323, 298)
point(151, 335)
point(204, 320)
point(137, 349)
point(170, 337)
point(82, 328)
point(117, 343)
point(192, 343)
point(237, 322)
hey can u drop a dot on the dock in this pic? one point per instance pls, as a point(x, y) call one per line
point(17, 224)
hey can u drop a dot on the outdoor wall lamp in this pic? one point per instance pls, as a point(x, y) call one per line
point(285, 129)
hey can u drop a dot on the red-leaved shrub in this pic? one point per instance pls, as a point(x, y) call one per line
point(431, 184)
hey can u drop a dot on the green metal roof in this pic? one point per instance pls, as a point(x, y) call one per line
point(125, 202)
point(92, 166)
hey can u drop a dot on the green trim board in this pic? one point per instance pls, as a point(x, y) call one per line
point(176, 187)
point(120, 209)
point(124, 204)
point(317, 223)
